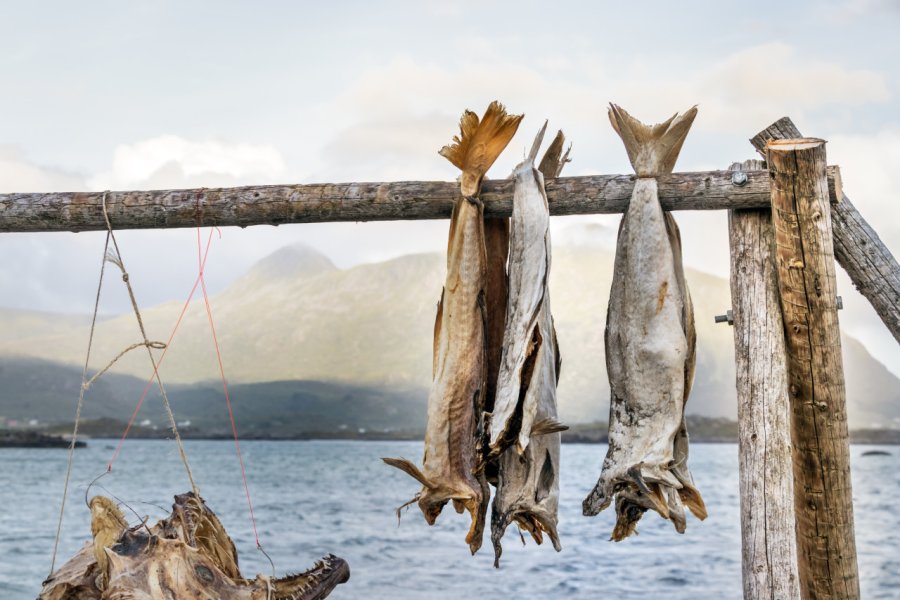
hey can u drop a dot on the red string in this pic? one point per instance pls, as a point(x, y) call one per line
point(201, 281)
point(162, 357)
point(237, 444)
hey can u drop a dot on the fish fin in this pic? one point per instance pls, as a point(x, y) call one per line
point(554, 160)
point(107, 525)
point(692, 499)
point(410, 469)
point(653, 492)
point(436, 346)
point(654, 149)
point(479, 143)
point(546, 426)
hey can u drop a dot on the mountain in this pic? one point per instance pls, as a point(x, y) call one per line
point(295, 316)
point(47, 392)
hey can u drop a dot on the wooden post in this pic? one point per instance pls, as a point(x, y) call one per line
point(870, 265)
point(768, 549)
point(826, 547)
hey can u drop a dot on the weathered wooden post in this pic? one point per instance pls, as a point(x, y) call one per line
point(826, 547)
point(768, 549)
point(870, 265)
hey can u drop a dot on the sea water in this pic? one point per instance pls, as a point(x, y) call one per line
point(315, 497)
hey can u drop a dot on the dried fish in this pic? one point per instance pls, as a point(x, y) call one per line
point(650, 345)
point(524, 426)
point(453, 465)
point(186, 555)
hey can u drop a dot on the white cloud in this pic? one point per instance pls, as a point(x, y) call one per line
point(170, 161)
point(18, 174)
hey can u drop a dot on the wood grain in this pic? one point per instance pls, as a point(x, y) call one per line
point(404, 200)
point(769, 548)
point(826, 546)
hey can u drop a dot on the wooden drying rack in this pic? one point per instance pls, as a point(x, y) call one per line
point(787, 224)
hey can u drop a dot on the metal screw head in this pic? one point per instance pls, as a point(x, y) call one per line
point(739, 178)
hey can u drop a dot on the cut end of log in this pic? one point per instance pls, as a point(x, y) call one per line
point(794, 144)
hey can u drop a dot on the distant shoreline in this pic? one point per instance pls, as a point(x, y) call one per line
point(705, 431)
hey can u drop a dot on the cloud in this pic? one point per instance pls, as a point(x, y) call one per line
point(869, 164)
point(18, 174)
point(859, 8)
point(390, 120)
point(170, 161)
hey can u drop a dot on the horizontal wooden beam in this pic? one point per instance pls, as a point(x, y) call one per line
point(404, 200)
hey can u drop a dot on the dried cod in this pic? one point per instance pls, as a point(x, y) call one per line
point(453, 465)
point(650, 345)
point(524, 429)
point(186, 555)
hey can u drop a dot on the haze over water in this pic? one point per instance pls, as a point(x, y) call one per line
point(311, 498)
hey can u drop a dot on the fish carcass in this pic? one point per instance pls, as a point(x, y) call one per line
point(650, 345)
point(453, 465)
point(524, 432)
point(186, 555)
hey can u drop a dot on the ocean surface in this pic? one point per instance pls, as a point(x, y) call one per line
point(315, 497)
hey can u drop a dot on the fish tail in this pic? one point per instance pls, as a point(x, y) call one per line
point(554, 159)
point(653, 149)
point(479, 143)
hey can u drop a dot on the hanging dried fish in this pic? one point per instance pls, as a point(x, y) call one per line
point(650, 345)
point(453, 466)
point(186, 555)
point(524, 429)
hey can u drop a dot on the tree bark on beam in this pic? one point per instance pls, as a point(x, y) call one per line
point(826, 545)
point(312, 203)
point(768, 541)
point(871, 266)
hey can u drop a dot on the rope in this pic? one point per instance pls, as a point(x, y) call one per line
point(154, 345)
point(212, 328)
point(162, 358)
point(115, 257)
point(80, 403)
point(117, 260)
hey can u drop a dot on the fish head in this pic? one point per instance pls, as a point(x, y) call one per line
point(143, 566)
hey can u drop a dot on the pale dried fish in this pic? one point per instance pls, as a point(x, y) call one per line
point(453, 465)
point(524, 427)
point(650, 345)
point(186, 555)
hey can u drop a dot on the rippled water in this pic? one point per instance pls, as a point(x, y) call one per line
point(312, 498)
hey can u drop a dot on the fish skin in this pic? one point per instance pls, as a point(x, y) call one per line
point(524, 426)
point(650, 346)
point(453, 466)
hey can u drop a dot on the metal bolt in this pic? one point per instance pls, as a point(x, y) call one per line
point(728, 317)
point(840, 303)
point(739, 178)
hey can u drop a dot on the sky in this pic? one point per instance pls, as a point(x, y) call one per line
point(147, 95)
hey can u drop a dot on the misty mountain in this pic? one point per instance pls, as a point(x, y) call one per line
point(48, 392)
point(295, 316)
